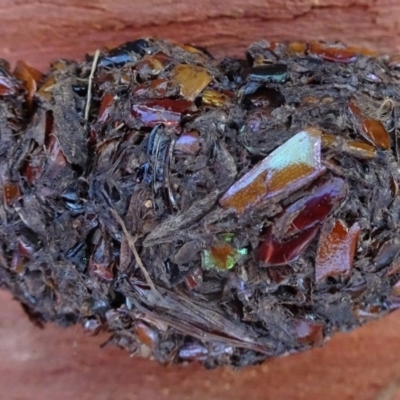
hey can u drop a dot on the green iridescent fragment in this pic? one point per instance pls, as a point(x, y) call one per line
point(222, 257)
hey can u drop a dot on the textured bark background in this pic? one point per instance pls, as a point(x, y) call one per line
point(39, 31)
point(61, 364)
point(64, 364)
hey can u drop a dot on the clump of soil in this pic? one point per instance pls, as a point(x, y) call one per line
point(220, 211)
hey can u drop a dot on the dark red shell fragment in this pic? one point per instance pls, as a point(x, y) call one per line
point(275, 252)
point(161, 111)
point(312, 208)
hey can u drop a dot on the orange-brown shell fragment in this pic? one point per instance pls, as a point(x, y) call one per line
point(371, 129)
point(332, 53)
point(364, 51)
point(11, 193)
point(288, 168)
point(104, 110)
point(154, 64)
point(297, 47)
point(191, 79)
point(145, 334)
point(214, 98)
point(359, 149)
point(336, 251)
point(353, 147)
point(29, 76)
point(46, 88)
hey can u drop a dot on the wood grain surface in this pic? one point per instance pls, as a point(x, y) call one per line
point(65, 364)
point(40, 31)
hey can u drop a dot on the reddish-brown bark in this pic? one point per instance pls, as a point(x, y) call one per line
point(39, 31)
point(53, 363)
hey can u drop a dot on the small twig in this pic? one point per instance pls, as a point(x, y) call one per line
point(121, 125)
point(3, 261)
point(89, 92)
point(396, 136)
point(131, 243)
